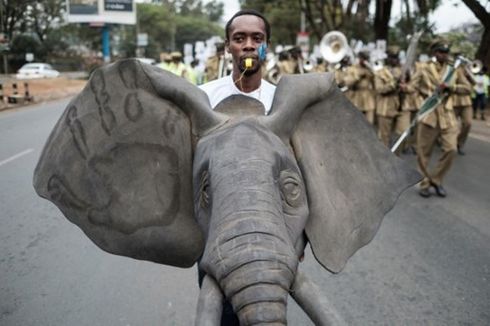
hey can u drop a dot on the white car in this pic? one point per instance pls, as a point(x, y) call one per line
point(37, 70)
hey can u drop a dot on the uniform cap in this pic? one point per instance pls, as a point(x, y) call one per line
point(363, 55)
point(439, 44)
point(176, 55)
point(393, 51)
point(220, 46)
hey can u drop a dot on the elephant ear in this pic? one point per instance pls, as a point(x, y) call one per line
point(119, 163)
point(352, 179)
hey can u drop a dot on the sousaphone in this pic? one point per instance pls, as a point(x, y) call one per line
point(334, 47)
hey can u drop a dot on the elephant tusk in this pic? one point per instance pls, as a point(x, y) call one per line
point(210, 303)
point(313, 302)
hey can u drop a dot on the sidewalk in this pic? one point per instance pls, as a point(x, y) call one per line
point(40, 89)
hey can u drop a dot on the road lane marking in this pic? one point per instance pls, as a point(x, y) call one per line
point(480, 137)
point(16, 156)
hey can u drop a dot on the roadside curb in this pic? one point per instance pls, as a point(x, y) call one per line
point(42, 91)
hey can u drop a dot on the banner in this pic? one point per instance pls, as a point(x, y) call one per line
point(118, 5)
point(83, 7)
point(100, 12)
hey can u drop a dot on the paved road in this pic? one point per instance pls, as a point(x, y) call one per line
point(428, 265)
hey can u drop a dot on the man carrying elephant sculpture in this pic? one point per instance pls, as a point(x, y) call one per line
point(137, 143)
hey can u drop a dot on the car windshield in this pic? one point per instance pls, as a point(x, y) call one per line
point(31, 67)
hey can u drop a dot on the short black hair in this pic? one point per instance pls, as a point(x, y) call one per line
point(252, 12)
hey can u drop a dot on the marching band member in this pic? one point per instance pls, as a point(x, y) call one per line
point(462, 103)
point(360, 80)
point(440, 123)
point(387, 95)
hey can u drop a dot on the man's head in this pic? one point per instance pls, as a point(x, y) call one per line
point(220, 48)
point(247, 37)
point(165, 57)
point(363, 56)
point(176, 56)
point(440, 49)
point(393, 55)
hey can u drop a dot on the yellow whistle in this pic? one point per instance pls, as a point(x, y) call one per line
point(248, 63)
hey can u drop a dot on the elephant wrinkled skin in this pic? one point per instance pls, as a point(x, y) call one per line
point(138, 145)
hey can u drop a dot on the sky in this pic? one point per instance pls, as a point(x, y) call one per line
point(445, 17)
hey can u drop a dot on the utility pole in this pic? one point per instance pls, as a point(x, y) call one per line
point(4, 47)
point(303, 17)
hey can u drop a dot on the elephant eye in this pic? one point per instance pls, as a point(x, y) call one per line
point(204, 190)
point(291, 190)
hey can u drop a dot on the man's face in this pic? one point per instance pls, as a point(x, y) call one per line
point(392, 61)
point(441, 56)
point(246, 34)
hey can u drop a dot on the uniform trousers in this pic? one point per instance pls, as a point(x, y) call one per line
point(464, 113)
point(385, 128)
point(426, 139)
point(369, 116)
point(403, 122)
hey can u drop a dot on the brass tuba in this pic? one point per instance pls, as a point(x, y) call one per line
point(476, 66)
point(334, 47)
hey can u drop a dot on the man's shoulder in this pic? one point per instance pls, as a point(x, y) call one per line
point(268, 86)
point(214, 84)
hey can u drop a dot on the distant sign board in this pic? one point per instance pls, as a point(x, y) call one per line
point(83, 7)
point(303, 41)
point(101, 11)
point(118, 5)
point(142, 39)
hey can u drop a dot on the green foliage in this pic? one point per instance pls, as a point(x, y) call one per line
point(22, 44)
point(190, 29)
point(214, 10)
point(168, 31)
point(460, 44)
point(283, 16)
point(405, 27)
point(159, 23)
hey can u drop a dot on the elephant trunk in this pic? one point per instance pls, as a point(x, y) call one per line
point(261, 298)
point(255, 269)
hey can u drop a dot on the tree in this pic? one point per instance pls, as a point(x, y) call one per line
point(159, 23)
point(284, 17)
point(190, 29)
point(382, 19)
point(483, 52)
point(44, 16)
point(11, 14)
point(214, 10)
point(168, 30)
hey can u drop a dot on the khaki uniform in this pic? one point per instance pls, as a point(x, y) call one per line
point(178, 68)
point(387, 101)
point(287, 66)
point(411, 101)
point(439, 123)
point(340, 75)
point(212, 68)
point(319, 68)
point(463, 107)
point(360, 81)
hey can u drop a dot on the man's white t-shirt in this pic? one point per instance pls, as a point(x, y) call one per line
point(219, 89)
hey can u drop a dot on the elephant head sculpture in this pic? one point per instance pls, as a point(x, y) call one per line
point(146, 169)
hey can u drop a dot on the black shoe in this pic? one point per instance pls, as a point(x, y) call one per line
point(460, 151)
point(483, 118)
point(424, 192)
point(440, 191)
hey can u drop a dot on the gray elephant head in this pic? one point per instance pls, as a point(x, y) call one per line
point(147, 170)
